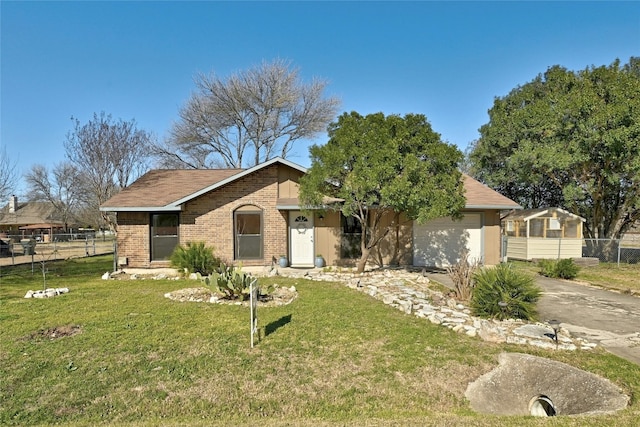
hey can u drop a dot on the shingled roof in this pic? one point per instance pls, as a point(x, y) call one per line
point(30, 213)
point(167, 189)
point(479, 196)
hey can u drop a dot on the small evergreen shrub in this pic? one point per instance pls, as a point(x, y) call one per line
point(504, 293)
point(547, 267)
point(195, 257)
point(562, 269)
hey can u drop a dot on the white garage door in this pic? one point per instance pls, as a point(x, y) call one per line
point(439, 242)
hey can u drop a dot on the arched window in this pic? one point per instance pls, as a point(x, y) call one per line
point(248, 232)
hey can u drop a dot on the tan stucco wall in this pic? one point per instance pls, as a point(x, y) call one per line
point(328, 238)
point(288, 180)
point(492, 237)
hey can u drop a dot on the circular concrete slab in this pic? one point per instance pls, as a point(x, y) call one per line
point(523, 384)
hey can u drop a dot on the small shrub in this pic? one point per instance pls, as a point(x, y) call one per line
point(504, 293)
point(547, 267)
point(195, 257)
point(462, 275)
point(562, 269)
point(232, 282)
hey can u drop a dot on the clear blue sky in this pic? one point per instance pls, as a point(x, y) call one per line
point(136, 60)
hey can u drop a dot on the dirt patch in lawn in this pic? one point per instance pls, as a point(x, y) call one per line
point(55, 332)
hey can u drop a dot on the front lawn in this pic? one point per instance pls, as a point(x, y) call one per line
point(120, 353)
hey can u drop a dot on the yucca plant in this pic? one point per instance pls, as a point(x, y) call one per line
point(195, 257)
point(503, 293)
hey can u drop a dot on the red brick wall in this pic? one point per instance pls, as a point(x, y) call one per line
point(209, 218)
point(133, 238)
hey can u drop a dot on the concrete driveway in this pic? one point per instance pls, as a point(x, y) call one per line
point(608, 318)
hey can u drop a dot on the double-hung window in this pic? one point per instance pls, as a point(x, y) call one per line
point(248, 232)
point(164, 235)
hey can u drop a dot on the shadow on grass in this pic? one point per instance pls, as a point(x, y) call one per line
point(273, 326)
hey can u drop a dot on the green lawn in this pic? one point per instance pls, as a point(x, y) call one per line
point(623, 277)
point(332, 357)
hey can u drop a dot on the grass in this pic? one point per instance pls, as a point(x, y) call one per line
point(332, 357)
point(623, 277)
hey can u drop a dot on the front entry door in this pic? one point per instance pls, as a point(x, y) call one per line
point(301, 239)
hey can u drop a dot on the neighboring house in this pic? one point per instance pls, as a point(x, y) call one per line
point(37, 219)
point(632, 237)
point(252, 216)
point(551, 233)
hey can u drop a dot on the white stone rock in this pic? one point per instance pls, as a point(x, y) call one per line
point(549, 345)
point(406, 306)
point(106, 276)
point(29, 294)
point(388, 299)
point(516, 340)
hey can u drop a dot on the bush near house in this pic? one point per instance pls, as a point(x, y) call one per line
point(195, 257)
point(503, 292)
point(558, 269)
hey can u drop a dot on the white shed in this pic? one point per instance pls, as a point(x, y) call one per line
point(551, 233)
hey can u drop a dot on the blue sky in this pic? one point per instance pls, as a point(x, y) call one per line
point(137, 60)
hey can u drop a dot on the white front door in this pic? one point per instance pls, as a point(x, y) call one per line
point(301, 239)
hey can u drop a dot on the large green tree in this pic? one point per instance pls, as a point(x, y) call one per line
point(569, 139)
point(382, 165)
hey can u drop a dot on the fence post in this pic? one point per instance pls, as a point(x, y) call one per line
point(115, 256)
point(618, 253)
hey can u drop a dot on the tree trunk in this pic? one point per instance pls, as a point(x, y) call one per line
point(362, 262)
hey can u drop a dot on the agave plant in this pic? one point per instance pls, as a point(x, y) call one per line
point(502, 293)
point(195, 257)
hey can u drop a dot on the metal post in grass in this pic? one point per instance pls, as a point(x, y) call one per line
point(619, 252)
point(253, 304)
point(115, 256)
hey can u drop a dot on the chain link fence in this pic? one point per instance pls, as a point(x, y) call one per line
point(619, 251)
point(38, 248)
point(612, 250)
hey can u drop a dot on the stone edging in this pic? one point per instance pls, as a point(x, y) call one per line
point(408, 291)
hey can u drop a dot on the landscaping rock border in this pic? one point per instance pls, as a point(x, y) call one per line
point(409, 292)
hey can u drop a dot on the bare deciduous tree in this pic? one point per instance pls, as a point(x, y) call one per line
point(62, 187)
point(8, 175)
point(109, 154)
point(260, 112)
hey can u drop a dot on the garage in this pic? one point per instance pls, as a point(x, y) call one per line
point(439, 242)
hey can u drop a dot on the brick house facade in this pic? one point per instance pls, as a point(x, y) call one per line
point(253, 216)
